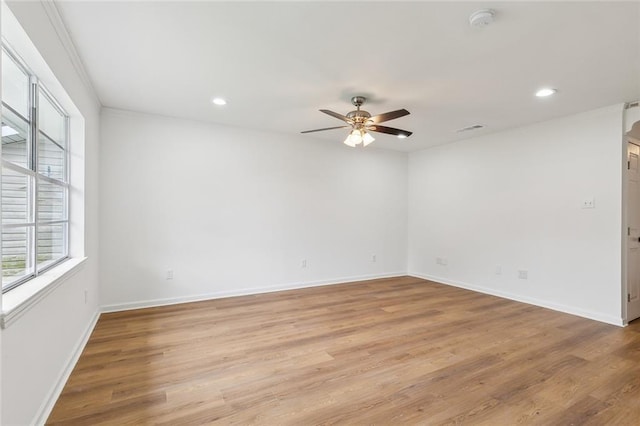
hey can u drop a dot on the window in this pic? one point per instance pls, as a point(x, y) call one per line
point(35, 178)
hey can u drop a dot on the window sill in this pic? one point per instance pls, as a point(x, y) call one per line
point(20, 299)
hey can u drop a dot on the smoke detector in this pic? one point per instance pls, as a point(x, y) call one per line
point(482, 18)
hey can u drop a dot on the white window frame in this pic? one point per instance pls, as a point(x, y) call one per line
point(36, 90)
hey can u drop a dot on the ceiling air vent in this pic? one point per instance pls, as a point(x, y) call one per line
point(469, 128)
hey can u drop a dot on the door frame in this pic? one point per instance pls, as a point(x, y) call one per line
point(625, 219)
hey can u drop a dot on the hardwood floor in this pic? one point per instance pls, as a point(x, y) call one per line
point(392, 351)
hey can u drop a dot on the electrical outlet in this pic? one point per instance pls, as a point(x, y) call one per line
point(304, 263)
point(444, 261)
point(523, 275)
point(589, 203)
point(373, 258)
point(498, 270)
point(170, 274)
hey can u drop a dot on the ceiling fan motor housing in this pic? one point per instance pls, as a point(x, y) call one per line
point(358, 116)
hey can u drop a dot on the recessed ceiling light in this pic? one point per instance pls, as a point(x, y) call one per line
point(219, 101)
point(543, 93)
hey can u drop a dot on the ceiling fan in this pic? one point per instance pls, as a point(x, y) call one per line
point(361, 123)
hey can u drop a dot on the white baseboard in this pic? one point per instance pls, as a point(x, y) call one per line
point(597, 316)
point(50, 401)
point(242, 292)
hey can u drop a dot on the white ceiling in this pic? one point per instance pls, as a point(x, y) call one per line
point(277, 63)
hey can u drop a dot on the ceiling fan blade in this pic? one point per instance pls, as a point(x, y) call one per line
point(326, 128)
point(390, 130)
point(336, 115)
point(389, 115)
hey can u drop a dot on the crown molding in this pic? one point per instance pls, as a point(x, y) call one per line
point(53, 13)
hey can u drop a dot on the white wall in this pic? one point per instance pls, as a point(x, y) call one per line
point(513, 199)
point(235, 211)
point(38, 346)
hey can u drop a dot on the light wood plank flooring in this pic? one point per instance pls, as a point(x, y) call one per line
point(392, 351)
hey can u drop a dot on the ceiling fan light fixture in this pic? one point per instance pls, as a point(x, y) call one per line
point(367, 139)
point(402, 136)
point(356, 137)
point(348, 141)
